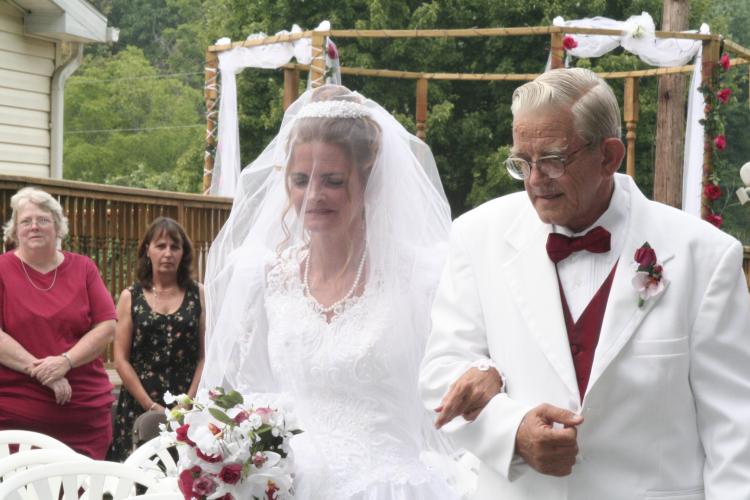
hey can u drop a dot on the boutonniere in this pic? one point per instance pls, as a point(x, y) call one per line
point(649, 278)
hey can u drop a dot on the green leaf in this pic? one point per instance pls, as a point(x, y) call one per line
point(221, 416)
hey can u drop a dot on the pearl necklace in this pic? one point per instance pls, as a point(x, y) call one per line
point(54, 277)
point(332, 307)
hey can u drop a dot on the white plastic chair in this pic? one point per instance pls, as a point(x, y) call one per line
point(83, 479)
point(27, 440)
point(154, 457)
point(159, 496)
point(23, 460)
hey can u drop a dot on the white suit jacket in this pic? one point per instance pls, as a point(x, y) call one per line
point(667, 408)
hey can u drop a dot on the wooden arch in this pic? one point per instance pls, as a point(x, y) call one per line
point(711, 49)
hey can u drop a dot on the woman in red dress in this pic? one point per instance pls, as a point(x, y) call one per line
point(56, 319)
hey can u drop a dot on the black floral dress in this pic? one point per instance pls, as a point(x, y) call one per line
point(164, 353)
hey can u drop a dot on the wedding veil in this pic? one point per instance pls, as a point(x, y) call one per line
point(406, 220)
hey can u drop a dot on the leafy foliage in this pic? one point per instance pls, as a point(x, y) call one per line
point(469, 123)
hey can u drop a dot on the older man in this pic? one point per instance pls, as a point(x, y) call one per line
point(621, 326)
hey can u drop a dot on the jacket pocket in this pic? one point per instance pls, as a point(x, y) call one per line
point(696, 493)
point(660, 347)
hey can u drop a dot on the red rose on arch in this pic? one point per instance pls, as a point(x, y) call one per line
point(333, 52)
point(712, 192)
point(723, 95)
point(715, 219)
point(569, 43)
point(231, 473)
point(212, 459)
point(720, 142)
point(724, 61)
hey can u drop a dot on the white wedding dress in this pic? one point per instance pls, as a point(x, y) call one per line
point(359, 409)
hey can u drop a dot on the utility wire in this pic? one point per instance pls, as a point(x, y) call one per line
point(144, 129)
point(130, 78)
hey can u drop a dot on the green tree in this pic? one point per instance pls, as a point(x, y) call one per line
point(126, 125)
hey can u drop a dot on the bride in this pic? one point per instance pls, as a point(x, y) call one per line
point(318, 294)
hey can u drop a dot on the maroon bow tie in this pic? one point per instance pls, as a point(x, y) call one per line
point(560, 246)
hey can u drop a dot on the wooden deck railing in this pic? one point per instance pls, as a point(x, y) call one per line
point(108, 222)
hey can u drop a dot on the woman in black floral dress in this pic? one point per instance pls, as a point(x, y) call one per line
point(160, 326)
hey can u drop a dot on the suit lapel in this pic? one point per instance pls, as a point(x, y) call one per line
point(623, 316)
point(533, 286)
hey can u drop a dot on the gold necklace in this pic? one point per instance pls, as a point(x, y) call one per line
point(54, 277)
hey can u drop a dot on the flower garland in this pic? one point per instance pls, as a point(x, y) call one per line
point(714, 125)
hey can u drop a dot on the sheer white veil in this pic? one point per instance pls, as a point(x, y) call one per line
point(407, 221)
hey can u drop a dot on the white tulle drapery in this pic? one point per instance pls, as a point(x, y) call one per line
point(638, 37)
point(226, 170)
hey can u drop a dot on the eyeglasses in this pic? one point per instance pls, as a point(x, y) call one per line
point(39, 221)
point(553, 166)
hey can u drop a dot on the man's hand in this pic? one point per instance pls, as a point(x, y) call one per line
point(62, 390)
point(49, 369)
point(468, 395)
point(547, 448)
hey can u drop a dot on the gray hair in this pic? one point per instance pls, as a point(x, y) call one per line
point(43, 200)
point(596, 114)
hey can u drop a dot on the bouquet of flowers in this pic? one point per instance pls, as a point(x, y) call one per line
point(228, 449)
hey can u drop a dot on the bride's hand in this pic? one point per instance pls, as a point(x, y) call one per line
point(468, 395)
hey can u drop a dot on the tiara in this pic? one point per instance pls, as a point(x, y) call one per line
point(333, 109)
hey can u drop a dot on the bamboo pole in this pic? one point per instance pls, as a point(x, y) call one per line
point(422, 86)
point(710, 59)
point(447, 33)
point(210, 94)
point(291, 86)
point(630, 114)
point(255, 42)
point(556, 51)
point(415, 75)
point(736, 49)
point(318, 65)
point(488, 32)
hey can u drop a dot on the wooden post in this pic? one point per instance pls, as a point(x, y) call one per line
point(708, 69)
point(631, 111)
point(210, 94)
point(318, 64)
point(421, 107)
point(291, 86)
point(670, 118)
point(556, 50)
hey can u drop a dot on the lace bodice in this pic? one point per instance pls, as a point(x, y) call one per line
point(352, 396)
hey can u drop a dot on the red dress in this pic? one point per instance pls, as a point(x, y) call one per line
point(48, 323)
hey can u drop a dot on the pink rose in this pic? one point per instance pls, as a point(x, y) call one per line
point(645, 256)
point(186, 479)
point(712, 192)
point(724, 61)
point(723, 95)
point(204, 486)
point(231, 473)
point(259, 459)
point(212, 459)
point(720, 141)
point(715, 219)
point(569, 43)
point(182, 434)
point(241, 417)
point(333, 52)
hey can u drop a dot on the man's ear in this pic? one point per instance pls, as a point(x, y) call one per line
point(613, 151)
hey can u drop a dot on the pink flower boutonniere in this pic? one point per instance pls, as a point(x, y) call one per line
point(648, 280)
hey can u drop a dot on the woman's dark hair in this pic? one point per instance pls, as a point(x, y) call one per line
point(169, 227)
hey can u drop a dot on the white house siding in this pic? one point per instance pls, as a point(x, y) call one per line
point(26, 68)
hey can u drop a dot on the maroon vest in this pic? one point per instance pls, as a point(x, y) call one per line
point(583, 335)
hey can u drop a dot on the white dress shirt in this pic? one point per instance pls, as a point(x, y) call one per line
point(582, 273)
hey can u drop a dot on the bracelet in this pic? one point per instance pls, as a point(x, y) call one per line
point(65, 355)
point(153, 405)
